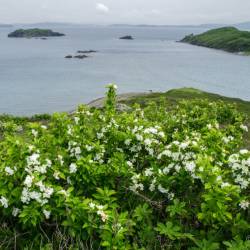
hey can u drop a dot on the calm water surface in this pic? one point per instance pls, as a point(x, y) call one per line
point(36, 78)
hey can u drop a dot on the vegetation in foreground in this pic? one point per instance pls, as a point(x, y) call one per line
point(228, 38)
point(157, 177)
point(34, 33)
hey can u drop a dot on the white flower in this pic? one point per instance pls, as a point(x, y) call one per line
point(48, 192)
point(25, 197)
point(41, 169)
point(19, 128)
point(48, 163)
point(151, 131)
point(244, 151)
point(92, 205)
point(100, 207)
point(139, 137)
point(152, 187)
point(34, 132)
point(244, 204)
point(129, 163)
point(112, 85)
point(89, 148)
point(170, 196)
point(147, 142)
point(218, 178)
point(177, 168)
point(28, 180)
point(99, 135)
point(35, 196)
point(9, 171)
point(60, 158)
point(30, 148)
point(46, 213)
point(44, 127)
point(243, 127)
point(69, 180)
point(209, 126)
point(127, 141)
point(148, 172)
point(162, 189)
point(140, 186)
point(104, 216)
point(4, 202)
point(226, 140)
point(161, 134)
point(190, 166)
point(77, 119)
point(225, 184)
point(78, 150)
point(15, 211)
point(150, 151)
point(56, 175)
point(184, 145)
point(33, 159)
point(72, 168)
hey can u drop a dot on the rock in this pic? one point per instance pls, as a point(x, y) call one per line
point(127, 38)
point(86, 51)
point(123, 107)
point(69, 56)
point(29, 33)
point(80, 56)
point(43, 38)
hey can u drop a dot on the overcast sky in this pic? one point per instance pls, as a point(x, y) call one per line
point(125, 11)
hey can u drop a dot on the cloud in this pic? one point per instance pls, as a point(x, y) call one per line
point(102, 8)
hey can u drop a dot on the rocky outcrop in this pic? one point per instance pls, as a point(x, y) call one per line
point(80, 56)
point(127, 38)
point(86, 51)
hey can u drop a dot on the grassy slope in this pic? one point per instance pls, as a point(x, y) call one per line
point(175, 95)
point(228, 38)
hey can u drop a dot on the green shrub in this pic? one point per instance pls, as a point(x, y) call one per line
point(146, 179)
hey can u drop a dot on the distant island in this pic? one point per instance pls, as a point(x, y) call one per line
point(228, 39)
point(5, 25)
point(127, 38)
point(29, 33)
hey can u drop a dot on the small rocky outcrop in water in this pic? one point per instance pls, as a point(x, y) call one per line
point(80, 56)
point(127, 38)
point(29, 33)
point(86, 51)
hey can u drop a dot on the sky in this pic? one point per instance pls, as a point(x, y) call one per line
point(166, 12)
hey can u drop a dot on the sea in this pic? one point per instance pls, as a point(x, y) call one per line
point(36, 78)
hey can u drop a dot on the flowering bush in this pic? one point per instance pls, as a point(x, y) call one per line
point(149, 178)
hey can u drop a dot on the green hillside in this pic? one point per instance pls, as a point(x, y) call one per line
point(228, 38)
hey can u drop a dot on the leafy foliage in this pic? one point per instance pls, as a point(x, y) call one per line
point(150, 178)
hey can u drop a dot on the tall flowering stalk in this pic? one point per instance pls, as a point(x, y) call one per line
point(110, 104)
